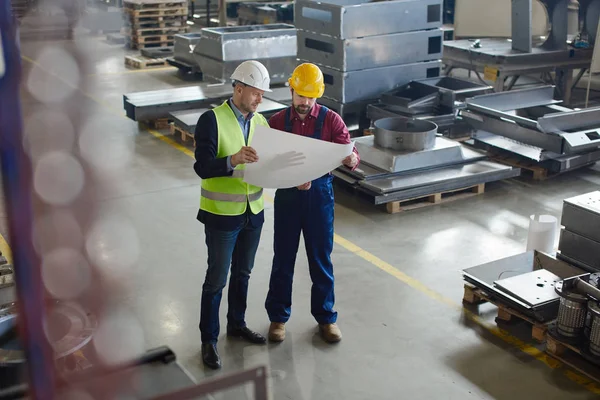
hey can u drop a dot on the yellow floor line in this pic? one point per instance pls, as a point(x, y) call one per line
point(391, 270)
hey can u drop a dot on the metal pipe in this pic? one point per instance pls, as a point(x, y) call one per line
point(585, 288)
point(17, 185)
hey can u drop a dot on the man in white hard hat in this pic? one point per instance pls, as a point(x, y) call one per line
point(230, 209)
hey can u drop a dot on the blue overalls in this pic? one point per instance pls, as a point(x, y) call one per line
point(309, 211)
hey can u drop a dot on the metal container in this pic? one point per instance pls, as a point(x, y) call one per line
point(250, 42)
point(580, 248)
point(403, 134)
point(581, 215)
point(184, 46)
point(280, 68)
point(572, 311)
point(371, 51)
point(349, 87)
point(347, 19)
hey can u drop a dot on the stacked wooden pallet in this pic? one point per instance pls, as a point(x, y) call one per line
point(153, 23)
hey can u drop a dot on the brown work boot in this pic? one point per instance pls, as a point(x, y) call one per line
point(330, 332)
point(277, 332)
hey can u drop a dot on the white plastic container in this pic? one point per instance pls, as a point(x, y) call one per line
point(542, 233)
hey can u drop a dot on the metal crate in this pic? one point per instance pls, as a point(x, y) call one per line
point(371, 51)
point(184, 46)
point(240, 43)
point(280, 69)
point(348, 87)
point(346, 19)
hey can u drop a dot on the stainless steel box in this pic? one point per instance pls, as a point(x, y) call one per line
point(372, 51)
point(580, 249)
point(581, 215)
point(184, 46)
point(348, 87)
point(251, 42)
point(347, 19)
point(280, 69)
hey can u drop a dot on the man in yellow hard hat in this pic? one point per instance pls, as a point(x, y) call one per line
point(230, 209)
point(307, 209)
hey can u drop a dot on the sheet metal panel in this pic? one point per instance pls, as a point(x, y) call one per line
point(438, 180)
point(347, 19)
point(371, 51)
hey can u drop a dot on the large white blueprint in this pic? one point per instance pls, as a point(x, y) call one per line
point(287, 160)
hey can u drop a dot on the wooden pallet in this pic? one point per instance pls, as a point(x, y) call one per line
point(434, 198)
point(475, 296)
point(160, 123)
point(153, 32)
point(185, 135)
point(141, 62)
point(151, 24)
point(151, 39)
point(158, 12)
point(532, 170)
point(153, 4)
point(572, 356)
point(140, 46)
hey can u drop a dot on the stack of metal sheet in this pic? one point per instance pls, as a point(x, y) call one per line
point(187, 119)
point(530, 124)
point(155, 104)
point(220, 50)
point(525, 282)
point(367, 48)
point(391, 169)
point(436, 99)
point(580, 237)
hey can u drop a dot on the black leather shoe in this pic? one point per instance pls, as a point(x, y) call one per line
point(245, 333)
point(210, 355)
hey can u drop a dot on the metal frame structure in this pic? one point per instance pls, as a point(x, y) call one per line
point(160, 373)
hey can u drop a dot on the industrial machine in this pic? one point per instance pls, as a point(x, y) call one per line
point(525, 282)
point(501, 59)
point(435, 99)
point(531, 124)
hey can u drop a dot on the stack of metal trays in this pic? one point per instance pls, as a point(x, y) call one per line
point(525, 282)
point(532, 125)
point(580, 237)
point(187, 119)
point(220, 50)
point(437, 100)
point(362, 60)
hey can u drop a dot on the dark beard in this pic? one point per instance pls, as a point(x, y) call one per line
point(302, 109)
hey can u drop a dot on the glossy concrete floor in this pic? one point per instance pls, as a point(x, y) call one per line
point(398, 280)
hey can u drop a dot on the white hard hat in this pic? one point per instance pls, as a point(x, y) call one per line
point(254, 74)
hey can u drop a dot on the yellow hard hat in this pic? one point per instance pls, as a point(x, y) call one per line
point(307, 81)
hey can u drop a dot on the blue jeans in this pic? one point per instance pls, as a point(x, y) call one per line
point(238, 249)
point(310, 212)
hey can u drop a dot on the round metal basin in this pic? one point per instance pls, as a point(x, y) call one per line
point(405, 134)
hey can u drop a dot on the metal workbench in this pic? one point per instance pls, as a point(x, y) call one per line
point(497, 60)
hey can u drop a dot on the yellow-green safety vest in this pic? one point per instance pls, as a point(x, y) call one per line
point(230, 195)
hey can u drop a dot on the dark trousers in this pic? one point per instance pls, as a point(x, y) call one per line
point(236, 248)
point(309, 212)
